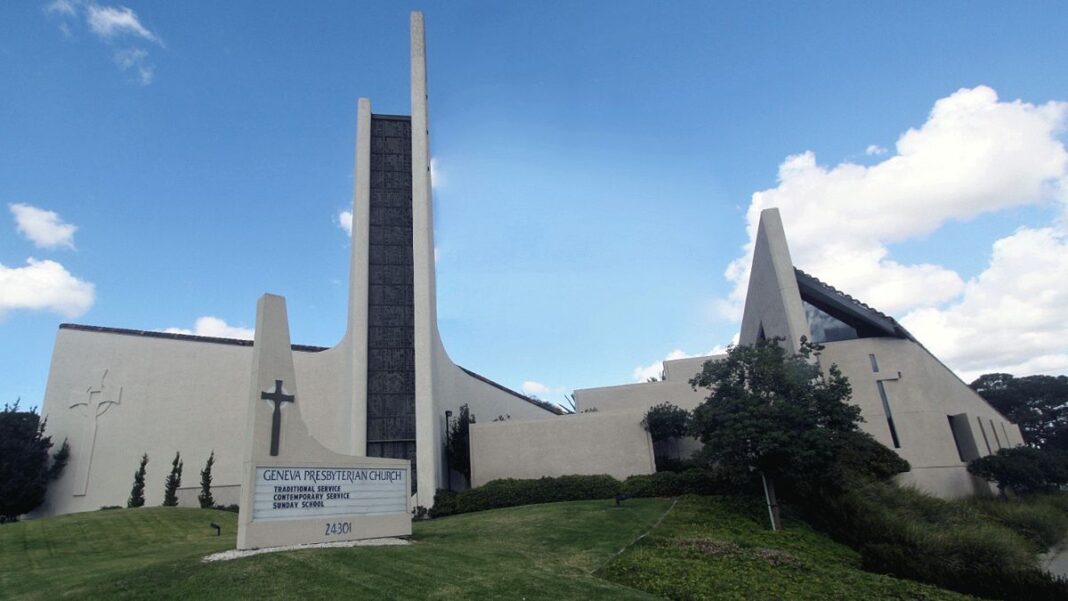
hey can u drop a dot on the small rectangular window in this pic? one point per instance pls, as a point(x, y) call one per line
point(889, 416)
point(997, 438)
point(874, 363)
point(979, 420)
point(956, 440)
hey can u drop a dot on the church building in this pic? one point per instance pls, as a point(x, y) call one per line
point(385, 389)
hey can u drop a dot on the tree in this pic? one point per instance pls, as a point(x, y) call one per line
point(665, 422)
point(775, 414)
point(25, 466)
point(1024, 470)
point(173, 481)
point(458, 444)
point(137, 492)
point(205, 498)
point(1038, 404)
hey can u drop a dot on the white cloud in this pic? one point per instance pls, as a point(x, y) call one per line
point(216, 328)
point(975, 154)
point(44, 228)
point(532, 388)
point(1013, 317)
point(437, 176)
point(112, 25)
point(44, 286)
point(874, 150)
point(136, 59)
point(61, 7)
point(642, 373)
point(344, 221)
point(110, 22)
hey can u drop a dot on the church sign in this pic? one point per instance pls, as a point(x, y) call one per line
point(299, 492)
point(295, 490)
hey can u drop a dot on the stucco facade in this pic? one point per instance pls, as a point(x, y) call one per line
point(909, 400)
point(587, 443)
point(115, 393)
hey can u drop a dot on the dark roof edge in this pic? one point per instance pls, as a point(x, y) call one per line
point(875, 318)
point(184, 337)
point(899, 330)
point(538, 403)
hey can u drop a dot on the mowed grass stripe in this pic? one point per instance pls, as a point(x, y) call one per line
point(536, 552)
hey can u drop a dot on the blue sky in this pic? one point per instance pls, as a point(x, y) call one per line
point(598, 168)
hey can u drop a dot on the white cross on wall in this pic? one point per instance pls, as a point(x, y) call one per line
point(96, 400)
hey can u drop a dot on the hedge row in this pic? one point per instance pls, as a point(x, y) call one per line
point(511, 492)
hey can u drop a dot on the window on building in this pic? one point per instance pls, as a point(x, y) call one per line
point(997, 438)
point(986, 440)
point(889, 415)
point(874, 363)
point(826, 328)
point(1006, 433)
point(956, 439)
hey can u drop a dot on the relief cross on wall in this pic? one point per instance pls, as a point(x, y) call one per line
point(96, 400)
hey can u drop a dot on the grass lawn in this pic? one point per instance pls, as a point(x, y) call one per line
point(532, 552)
point(720, 548)
point(706, 548)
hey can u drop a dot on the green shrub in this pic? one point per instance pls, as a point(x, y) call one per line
point(666, 421)
point(1029, 583)
point(511, 492)
point(1024, 470)
point(957, 545)
point(1042, 523)
point(672, 484)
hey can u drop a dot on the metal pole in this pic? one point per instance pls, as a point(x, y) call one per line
point(448, 456)
point(767, 497)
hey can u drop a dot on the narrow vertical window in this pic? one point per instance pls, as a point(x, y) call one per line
point(1006, 433)
point(874, 363)
point(985, 439)
point(760, 333)
point(956, 440)
point(889, 416)
point(997, 438)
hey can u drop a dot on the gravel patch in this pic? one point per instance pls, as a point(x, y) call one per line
point(370, 542)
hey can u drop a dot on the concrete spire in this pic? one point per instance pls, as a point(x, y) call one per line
point(773, 302)
point(426, 337)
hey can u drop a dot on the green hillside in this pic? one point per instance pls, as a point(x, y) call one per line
point(705, 548)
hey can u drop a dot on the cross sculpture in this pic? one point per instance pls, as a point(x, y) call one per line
point(96, 404)
point(277, 397)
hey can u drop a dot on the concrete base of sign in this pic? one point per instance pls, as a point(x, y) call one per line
point(370, 542)
point(295, 491)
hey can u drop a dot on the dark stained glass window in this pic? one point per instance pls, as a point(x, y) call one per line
point(826, 328)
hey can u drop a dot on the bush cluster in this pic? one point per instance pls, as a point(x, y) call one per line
point(974, 547)
point(1024, 470)
point(511, 492)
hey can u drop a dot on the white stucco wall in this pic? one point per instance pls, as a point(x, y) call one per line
point(587, 444)
point(920, 401)
point(177, 395)
point(185, 395)
point(638, 397)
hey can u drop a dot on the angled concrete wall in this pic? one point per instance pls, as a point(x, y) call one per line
point(922, 394)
